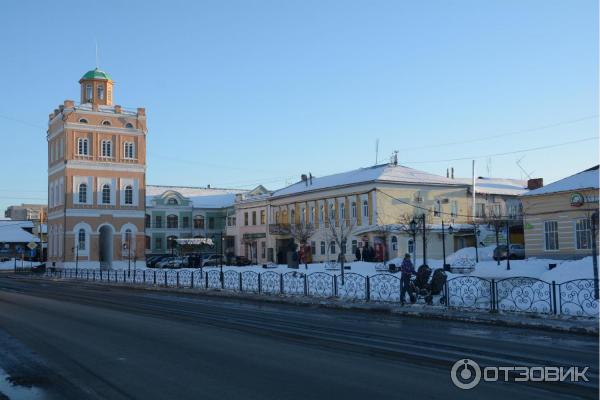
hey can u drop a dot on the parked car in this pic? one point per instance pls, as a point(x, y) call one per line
point(241, 261)
point(517, 252)
point(211, 261)
point(152, 263)
point(164, 262)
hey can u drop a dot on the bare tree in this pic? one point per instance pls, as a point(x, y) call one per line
point(495, 221)
point(422, 227)
point(302, 233)
point(340, 233)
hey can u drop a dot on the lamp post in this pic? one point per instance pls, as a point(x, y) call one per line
point(450, 232)
point(75, 250)
point(595, 252)
point(476, 232)
point(127, 246)
point(424, 240)
point(507, 245)
point(413, 232)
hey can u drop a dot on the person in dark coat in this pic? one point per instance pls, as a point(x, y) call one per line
point(407, 270)
point(357, 254)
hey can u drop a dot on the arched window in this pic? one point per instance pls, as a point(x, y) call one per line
point(148, 221)
point(365, 208)
point(332, 247)
point(128, 194)
point(129, 125)
point(82, 147)
point(394, 243)
point(128, 237)
point(100, 90)
point(322, 247)
point(106, 123)
point(198, 222)
point(83, 121)
point(353, 209)
point(89, 92)
point(106, 148)
point(81, 239)
point(106, 193)
point(129, 150)
point(172, 201)
point(172, 221)
point(82, 193)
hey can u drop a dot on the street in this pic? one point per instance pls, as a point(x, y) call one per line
point(101, 342)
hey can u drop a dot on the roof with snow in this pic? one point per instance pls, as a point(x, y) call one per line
point(200, 197)
point(14, 232)
point(385, 173)
point(500, 186)
point(587, 179)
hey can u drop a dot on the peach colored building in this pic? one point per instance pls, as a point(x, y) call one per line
point(96, 179)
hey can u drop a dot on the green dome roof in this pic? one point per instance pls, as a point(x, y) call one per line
point(96, 74)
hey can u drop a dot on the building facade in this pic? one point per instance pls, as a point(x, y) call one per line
point(187, 212)
point(27, 212)
point(558, 217)
point(96, 178)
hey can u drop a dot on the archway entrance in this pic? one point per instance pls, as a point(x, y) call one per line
point(106, 247)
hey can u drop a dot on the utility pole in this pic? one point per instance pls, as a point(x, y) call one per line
point(507, 245)
point(443, 245)
point(595, 252)
point(424, 240)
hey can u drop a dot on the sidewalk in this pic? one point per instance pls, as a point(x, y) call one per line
point(582, 325)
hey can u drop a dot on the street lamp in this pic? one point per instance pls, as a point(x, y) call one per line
point(75, 250)
point(413, 232)
point(476, 231)
point(443, 245)
point(127, 246)
point(424, 240)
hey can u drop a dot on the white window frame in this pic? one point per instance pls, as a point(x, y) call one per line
point(553, 232)
point(129, 150)
point(103, 194)
point(106, 150)
point(579, 232)
point(89, 92)
point(83, 148)
point(85, 193)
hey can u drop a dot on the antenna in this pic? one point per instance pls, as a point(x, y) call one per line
point(97, 62)
point(488, 166)
point(527, 174)
point(376, 151)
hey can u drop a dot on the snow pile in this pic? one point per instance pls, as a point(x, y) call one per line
point(466, 255)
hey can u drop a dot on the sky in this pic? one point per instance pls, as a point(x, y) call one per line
point(241, 93)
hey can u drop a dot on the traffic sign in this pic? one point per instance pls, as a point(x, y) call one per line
point(31, 245)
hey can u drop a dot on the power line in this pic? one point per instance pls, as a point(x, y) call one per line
point(505, 153)
point(539, 128)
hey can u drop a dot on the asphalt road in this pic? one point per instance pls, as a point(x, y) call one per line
point(82, 340)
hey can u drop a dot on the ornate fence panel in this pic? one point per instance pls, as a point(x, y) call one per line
point(129, 276)
point(469, 292)
point(576, 297)
point(250, 281)
point(199, 279)
point(231, 280)
point(185, 278)
point(113, 275)
point(293, 283)
point(524, 294)
point(138, 276)
point(214, 279)
point(384, 287)
point(270, 282)
point(320, 284)
point(171, 278)
point(354, 287)
point(96, 276)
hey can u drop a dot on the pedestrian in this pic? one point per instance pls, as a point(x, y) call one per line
point(357, 254)
point(407, 270)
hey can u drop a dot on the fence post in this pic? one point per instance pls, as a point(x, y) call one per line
point(206, 279)
point(166, 278)
point(554, 296)
point(494, 300)
point(192, 280)
point(240, 278)
point(259, 284)
point(335, 288)
point(177, 275)
point(154, 280)
point(281, 283)
point(368, 288)
point(447, 294)
point(305, 285)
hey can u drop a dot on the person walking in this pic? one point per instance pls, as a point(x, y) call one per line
point(357, 254)
point(407, 270)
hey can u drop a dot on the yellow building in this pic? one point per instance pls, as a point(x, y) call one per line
point(96, 178)
point(557, 217)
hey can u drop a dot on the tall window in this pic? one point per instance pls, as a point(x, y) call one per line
point(128, 195)
point(411, 246)
point(253, 217)
point(292, 216)
point(246, 219)
point(365, 208)
point(148, 242)
point(211, 223)
point(322, 247)
point(129, 150)
point(198, 222)
point(100, 90)
point(158, 243)
point(342, 211)
point(437, 209)
point(89, 92)
point(148, 221)
point(158, 221)
point(172, 221)
point(311, 217)
point(353, 210)
point(106, 148)
point(302, 216)
point(106, 194)
point(128, 238)
point(454, 211)
point(82, 147)
point(394, 243)
point(263, 217)
point(551, 235)
point(332, 247)
point(185, 222)
point(82, 192)
point(321, 213)
point(583, 233)
point(81, 239)
point(354, 246)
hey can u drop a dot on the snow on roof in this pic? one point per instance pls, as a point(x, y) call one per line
point(200, 197)
point(378, 173)
point(105, 109)
point(501, 186)
point(14, 232)
point(587, 179)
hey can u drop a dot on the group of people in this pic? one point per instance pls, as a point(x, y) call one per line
point(367, 253)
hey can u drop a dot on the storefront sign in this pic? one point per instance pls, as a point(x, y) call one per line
point(577, 200)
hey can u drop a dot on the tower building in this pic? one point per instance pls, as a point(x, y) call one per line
point(96, 179)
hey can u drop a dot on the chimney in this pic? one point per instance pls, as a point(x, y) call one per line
point(452, 173)
point(447, 173)
point(535, 183)
point(304, 179)
point(117, 109)
point(208, 186)
point(69, 104)
point(310, 177)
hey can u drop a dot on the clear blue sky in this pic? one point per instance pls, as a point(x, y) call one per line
point(246, 92)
